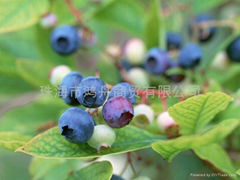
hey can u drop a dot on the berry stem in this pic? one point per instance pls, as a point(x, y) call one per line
point(76, 13)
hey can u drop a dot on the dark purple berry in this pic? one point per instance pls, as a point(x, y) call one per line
point(118, 112)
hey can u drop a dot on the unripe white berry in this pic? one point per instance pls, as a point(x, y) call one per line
point(139, 77)
point(135, 51)
point(103, 136)
point(220, 62)
point(144, 112)
point(164, 121)
point(48, 20)
point(58, 73)
point(114, 50)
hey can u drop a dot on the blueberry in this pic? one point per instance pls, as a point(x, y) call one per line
point(190, 56)
point(204, 34)
point(174, 40)
point(116, 177)
point(76, 125)
point(92, 92)
point(117, 112)
point(65, 40)
point(69, 88)
point(124, 89)
point(233, 50)
point(157, 61)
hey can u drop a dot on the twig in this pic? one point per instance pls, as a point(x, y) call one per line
point(76, 13)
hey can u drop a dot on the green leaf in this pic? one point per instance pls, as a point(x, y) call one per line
point(29, 119)
point(12, 140)
point(49, 169)
point(196, 112)
point(96, 171)
point(217, 156)
point(34, 72)
point(18, 14)
point(124, 14)
point(169, 149)
point(238, 172)
point(199, 6)
point(154, 27)
point(51, 144)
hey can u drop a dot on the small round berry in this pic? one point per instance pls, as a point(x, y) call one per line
point(134, 51)
point(124, 89)
point(114, 50)
point(58, 73)
point(233, 50)
point(76, 125)
point(190, 56)
point(220, 61)
point(144, 113)
point(157, 61)
point(68, 90)
point(138, 77)
point(164, 121)
point(65, 40)
point(204, 34)
point(118, 112)
point(116, 177)
point(174, 40)
point(48, 20)
point(103, 137)
point(92, 92)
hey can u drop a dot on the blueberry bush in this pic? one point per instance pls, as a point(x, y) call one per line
point(119, 90)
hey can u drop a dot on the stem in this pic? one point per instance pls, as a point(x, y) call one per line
point(75, 12)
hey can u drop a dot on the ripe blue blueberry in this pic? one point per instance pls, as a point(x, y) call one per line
point(190, 56)
point(92, 92)
point(69, 88)
point(116, 177)
point(76, 125)
point(174, 40)
point(157, 61)
point(117, 112)
point(65, 40)
point(233, 50)
point(124, 89)
point(204, 34)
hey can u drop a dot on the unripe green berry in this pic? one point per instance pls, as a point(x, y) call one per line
point(103, 137)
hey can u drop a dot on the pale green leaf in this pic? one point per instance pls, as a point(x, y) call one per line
point(33, 117)
point(196, 112)
point(51, 144)
point(34, 72)
point(169, 149)
point(97, 171)
point(154, 27)
point(18, 14)
point(217, 156)
point(49, 169)
point(124, 14)
point(12, 140)
point(238, 172)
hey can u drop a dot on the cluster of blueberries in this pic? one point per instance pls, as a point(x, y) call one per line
point(75, 124)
